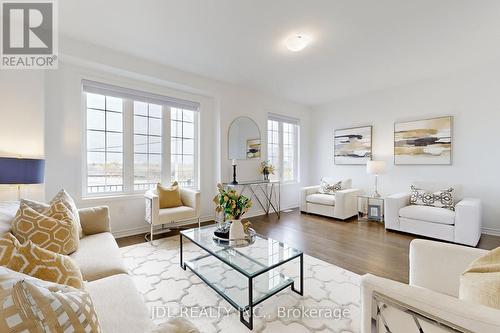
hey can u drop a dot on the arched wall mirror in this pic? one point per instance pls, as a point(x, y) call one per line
point(244, 139)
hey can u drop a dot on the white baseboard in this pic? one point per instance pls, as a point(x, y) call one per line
point(145, 227)
point(491, 231)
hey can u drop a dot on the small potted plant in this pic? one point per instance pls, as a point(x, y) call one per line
point(233, 205)
point(266, 168)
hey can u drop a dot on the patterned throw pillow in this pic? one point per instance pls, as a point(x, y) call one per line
point(32, 305)
point(8, 246)
point(327, 188)
point(53, 230)
point(66, 199)
point(46, 265)
point(440, 199)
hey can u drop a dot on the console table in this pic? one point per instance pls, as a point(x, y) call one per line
point(271, 189)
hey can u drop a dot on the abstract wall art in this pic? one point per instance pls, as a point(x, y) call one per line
point(427, 141)
point(353, 145)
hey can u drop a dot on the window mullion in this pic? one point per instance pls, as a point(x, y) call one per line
point(281, 150)
point(166, 145)
point(128, 146)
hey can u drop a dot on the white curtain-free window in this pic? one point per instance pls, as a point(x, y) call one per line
point(135, 140)
point(283, 146)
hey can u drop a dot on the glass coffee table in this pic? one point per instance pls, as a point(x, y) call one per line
point(243, 276)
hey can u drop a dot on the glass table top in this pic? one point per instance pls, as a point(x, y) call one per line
point(261, 256)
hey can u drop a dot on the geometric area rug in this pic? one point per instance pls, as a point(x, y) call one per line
point(330, 302)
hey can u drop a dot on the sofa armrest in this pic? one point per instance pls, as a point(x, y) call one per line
point(346, 202)
point(94, 220)
point(152, 208)
point(304, 192)
point(438, 266)
point(191, 198)
point(476, 318)
point(468, 221)
point(393, 203)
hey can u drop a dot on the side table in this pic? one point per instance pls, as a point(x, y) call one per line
point(370, 208)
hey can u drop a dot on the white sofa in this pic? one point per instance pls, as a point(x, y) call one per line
point(342, 205)
point(172, 217)
point(118, 304)
point(435, 270)
point(461, 226)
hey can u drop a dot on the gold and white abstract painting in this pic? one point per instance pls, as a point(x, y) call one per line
point(427, 141)
point(353, 145)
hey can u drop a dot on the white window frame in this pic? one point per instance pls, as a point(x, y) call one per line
point(128, 96)
point(296, 149)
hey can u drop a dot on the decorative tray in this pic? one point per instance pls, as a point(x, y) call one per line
point(237, 242)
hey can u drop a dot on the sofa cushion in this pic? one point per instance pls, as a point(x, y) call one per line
point(322, 199)
point(169, 196)
point(169, 215)
point(428, 214)
point(99, 256)
point(8, 210)
point(119, 306)
point(443, 198)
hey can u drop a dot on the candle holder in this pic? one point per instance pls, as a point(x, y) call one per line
point(234, 182)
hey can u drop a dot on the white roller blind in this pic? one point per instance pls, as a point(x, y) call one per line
point(137, 95)
point(284, 119)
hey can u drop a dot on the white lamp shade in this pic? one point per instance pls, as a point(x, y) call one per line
point(375, 167)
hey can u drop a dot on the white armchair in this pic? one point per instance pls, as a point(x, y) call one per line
point(461, 226)
point(430, 298)
point(342, 205)
point(172, 217)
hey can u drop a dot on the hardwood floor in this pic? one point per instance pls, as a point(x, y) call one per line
point(361, 247)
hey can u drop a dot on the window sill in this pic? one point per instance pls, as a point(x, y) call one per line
point(113, 197)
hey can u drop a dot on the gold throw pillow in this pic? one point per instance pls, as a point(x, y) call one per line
point(480, 283)
point(46, 265)
point(31, 305)
point(169, 196)
point(8, 246)
point(53, 230)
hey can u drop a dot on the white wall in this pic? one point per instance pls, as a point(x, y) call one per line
point(21, 123)
point(472, 97)
point(220, 104)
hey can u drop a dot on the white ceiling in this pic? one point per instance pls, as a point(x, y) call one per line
point(358, 45)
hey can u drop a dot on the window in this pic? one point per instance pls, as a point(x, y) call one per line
point(135, 140)
point(283, 143)
point(104, 143)
point(147, 145)
point(183, 147)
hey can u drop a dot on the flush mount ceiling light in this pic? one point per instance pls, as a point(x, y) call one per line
point(297, 42)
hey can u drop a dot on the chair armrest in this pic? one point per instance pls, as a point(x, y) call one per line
point(476, 318)
point(346, 202)
point(94, 220)
point(468, 221)
point(438, 266)
point(152, 208)
point(304, 192)
point(393, 203)
point(191, 198)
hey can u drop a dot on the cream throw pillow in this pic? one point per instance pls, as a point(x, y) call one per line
point(480, 283)
point(32, 305)
point(170, 197)
point(53, 230)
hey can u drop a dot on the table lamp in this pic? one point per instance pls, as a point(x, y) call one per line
point(21, 171)
point(375, 168)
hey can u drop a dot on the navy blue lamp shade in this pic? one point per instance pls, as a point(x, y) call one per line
point(18, 171)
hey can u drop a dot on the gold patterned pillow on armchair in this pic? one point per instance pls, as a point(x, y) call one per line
point(53, 230)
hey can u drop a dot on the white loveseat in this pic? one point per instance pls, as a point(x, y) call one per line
point(461, 226)
point(342, 205)
point(435, 270)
